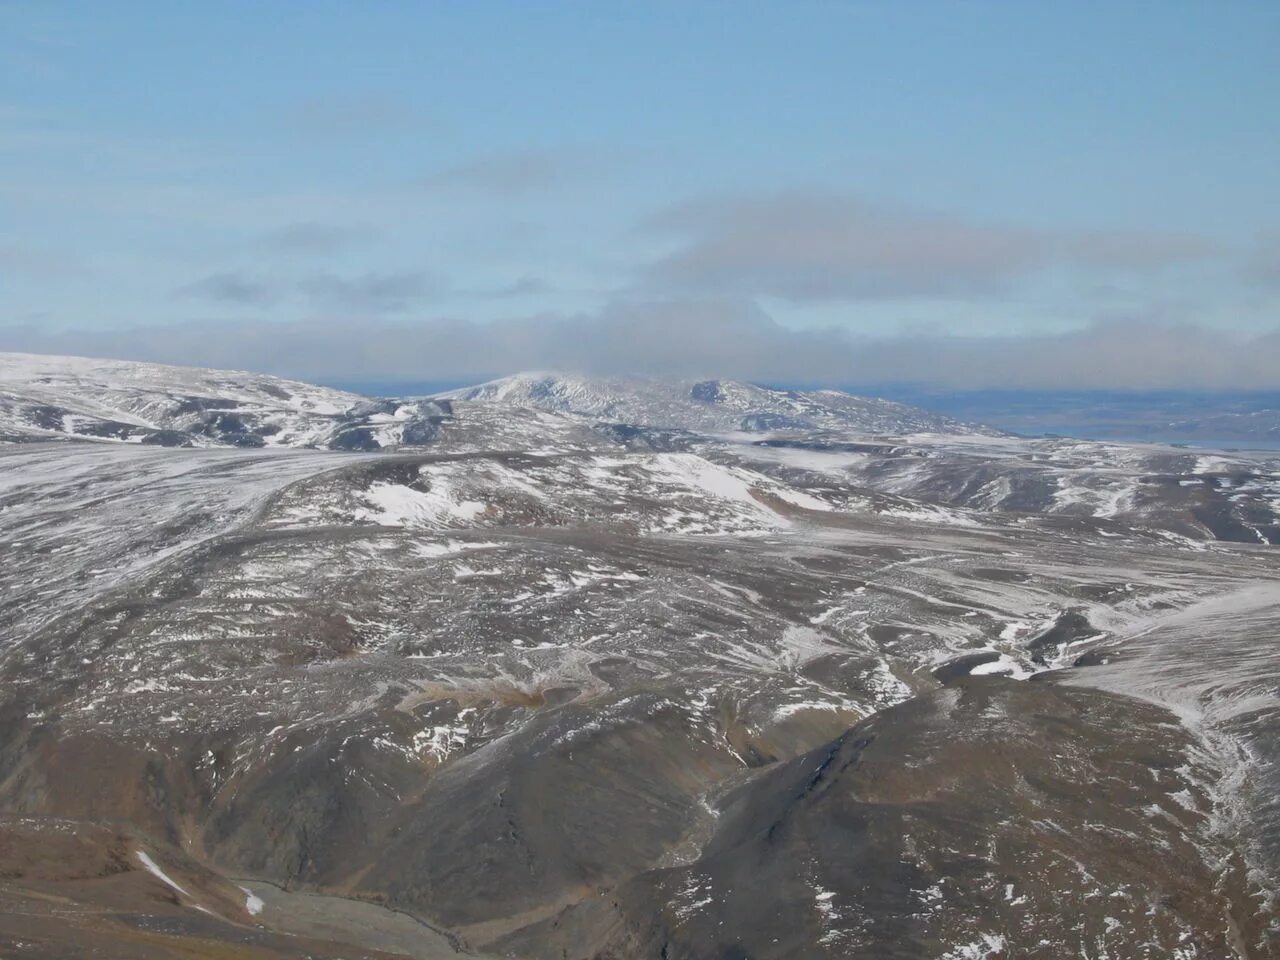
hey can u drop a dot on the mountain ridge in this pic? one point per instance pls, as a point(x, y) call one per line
point(48, 397)
point(714, 403)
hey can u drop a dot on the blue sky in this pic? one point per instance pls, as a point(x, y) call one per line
point(875, 169)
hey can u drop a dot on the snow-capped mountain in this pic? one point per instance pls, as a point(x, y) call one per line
point(48, 397)
point(883, 450)
point(711, 405)
point(45, 397)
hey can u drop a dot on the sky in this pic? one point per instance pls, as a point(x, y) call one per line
point(933, 192)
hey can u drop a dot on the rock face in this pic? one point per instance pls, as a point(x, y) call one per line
point(597, 681)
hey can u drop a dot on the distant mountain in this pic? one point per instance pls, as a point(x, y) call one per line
point(48, 397)
point(711, 405)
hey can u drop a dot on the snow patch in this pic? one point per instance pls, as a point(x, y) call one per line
point(396, 505)
point(252, 902)
point(154, 868)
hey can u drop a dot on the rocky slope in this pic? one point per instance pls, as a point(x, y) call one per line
point(949, 826)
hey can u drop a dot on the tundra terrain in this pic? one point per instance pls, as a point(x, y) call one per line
point(562, 667)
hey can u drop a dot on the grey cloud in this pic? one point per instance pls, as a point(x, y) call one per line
point(1264, 264)
point(370, 293)
point(695, 339)
point(1124, 355)
point(812, 246)
point(361, 295)
point(515, 173)
point(231, 287)
point(310, 237)
point(1124, 250)
point(521, 287)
